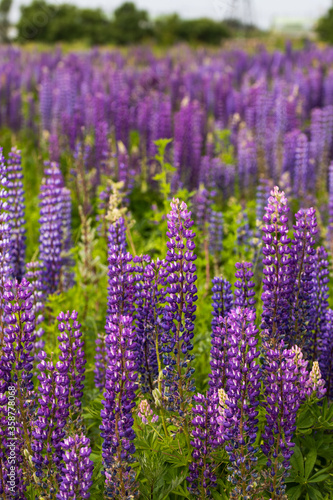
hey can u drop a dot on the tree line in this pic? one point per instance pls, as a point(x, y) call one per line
point(49, 23)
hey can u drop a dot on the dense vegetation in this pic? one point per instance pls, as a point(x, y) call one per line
point(325, 27)
point(43, 22)
point(166, 233)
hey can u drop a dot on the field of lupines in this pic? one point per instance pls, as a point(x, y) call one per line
point(166, 238)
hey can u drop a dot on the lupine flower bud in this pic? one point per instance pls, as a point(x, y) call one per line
point(315, 384)
point(145, 413)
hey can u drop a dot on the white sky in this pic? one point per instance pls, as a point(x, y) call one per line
point(264, 11)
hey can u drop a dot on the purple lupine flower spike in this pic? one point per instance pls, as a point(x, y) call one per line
point(120, 292)
point(303, 262)
point(202, 204)
point(5, 241)
point(218, 356)
point(34, 275)
point(51, 230)
point(240, 422)
point(15, 199)
point(318, 302)
point(215, 230)
point(146, 321)
point(222, 298)
point(117, 235)
point(178, 319)
point(16, 380)
point(282, 400)
point(301, 165)
point(244, 293)
point(67, 275)
point(46, 100)
point(277, 288)
point(326, 352)
point(72, 359)
point(244, 233)
point(78, 469)
point(119, 400)
point(330, 207)
point(52, 417)
point(202, 478)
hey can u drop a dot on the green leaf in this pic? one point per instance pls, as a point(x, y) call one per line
point(295, 492)
point(310, 460)
point(314, 494)
point(298, 461)
point(321, 475)
point(305, 420)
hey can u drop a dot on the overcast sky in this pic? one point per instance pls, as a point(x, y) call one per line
point(264, 11)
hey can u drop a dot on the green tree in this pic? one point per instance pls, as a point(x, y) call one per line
point(49, 23)
point(5, 6)
point(130, 25)
point(325, 27)
point(167, 28)
point(35, 21)
point(171, 29)
point(203, 31)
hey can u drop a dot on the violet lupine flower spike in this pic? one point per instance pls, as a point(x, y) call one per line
point(330, 208)
point(16, 377)
point(318, 303)
point(277, 288)
point(5, 241)
point(239, 419)
point(17, 212)
point(119, 400)
point(326, 352)
point(71, 359)
point(302, 254)
point(51, 226)
point(244, 293)
point(117, 235)
point(218, 356)
point(120, 292)
point(146, 324)
point(52, 417)
point(34, 275)
point(67, 275)
point(178, 319)
point(202, 203)
point(282, 400)
point(222, 298)
point(77, 470)
point(215, 230)
point(202, 478)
